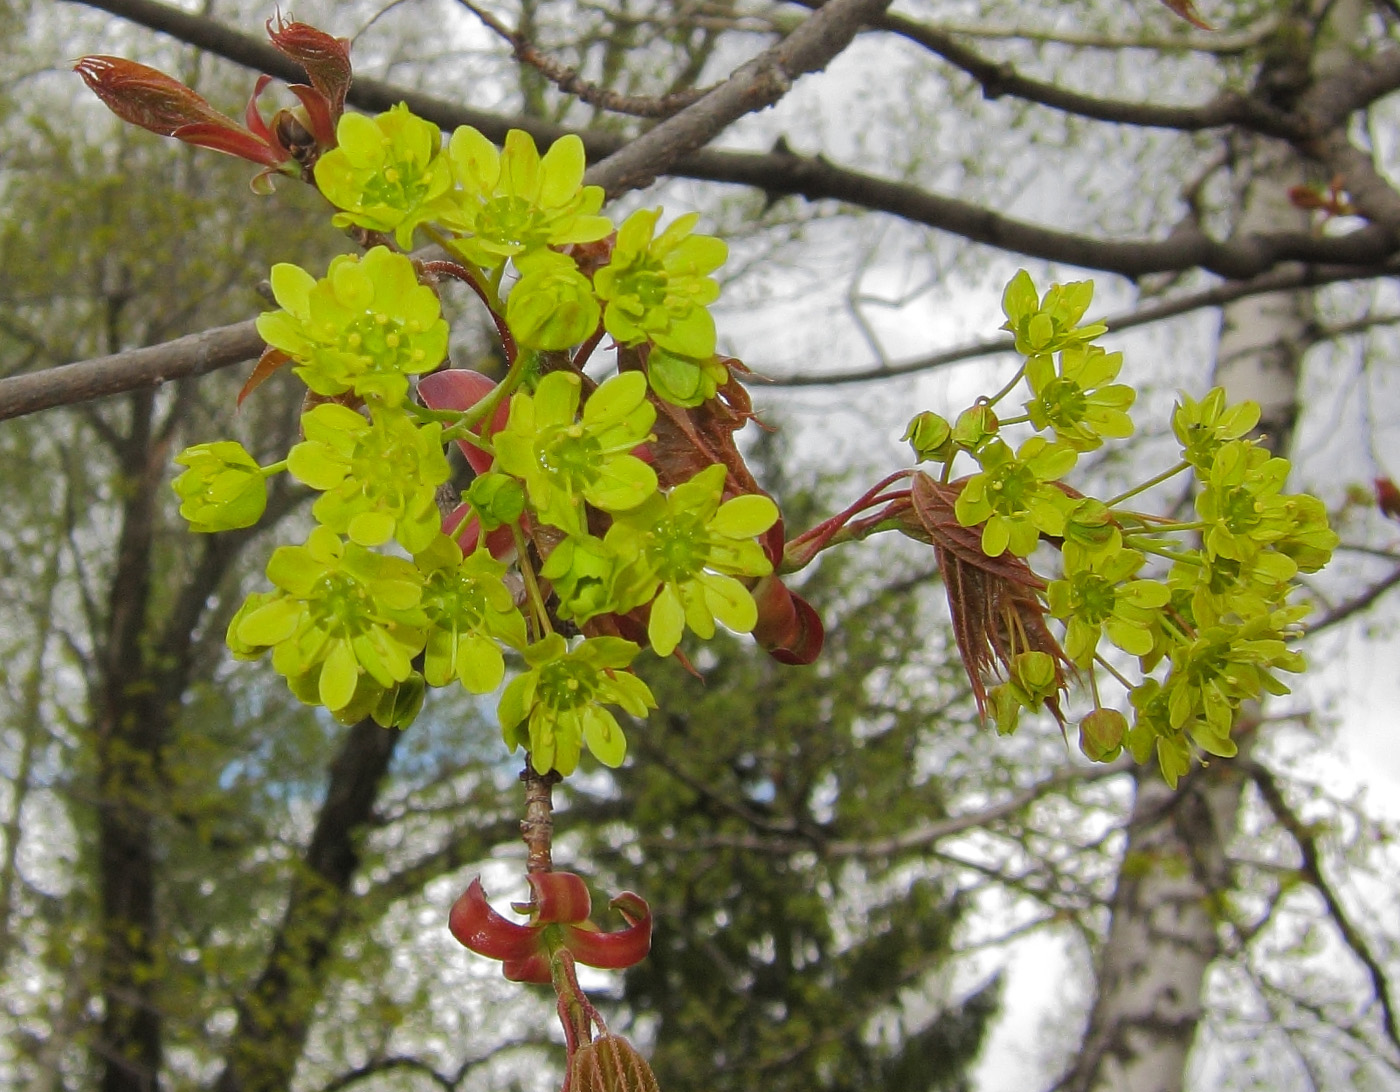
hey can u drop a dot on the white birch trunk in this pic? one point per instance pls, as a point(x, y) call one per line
point(1163, 931)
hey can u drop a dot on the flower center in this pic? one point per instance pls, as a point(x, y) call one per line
point(566, 685)
point(677, 548)
point(340, 605)
point(400, 185)
point(572, 452)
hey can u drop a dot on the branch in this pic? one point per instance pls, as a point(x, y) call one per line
point(1312, 871)
point(998, 78)
point(571, 82)
point(1342, 611)
point(188, 356)
point(919, 838)
point(1280, 280)
point(671, 148)
point(759, 83)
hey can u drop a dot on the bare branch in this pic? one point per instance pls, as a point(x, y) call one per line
point(1311, 870)
point(1342, 611)
point(758, 83)
point(569, 81)
point(1292, 276)
point(920, 838)
point(188, 356)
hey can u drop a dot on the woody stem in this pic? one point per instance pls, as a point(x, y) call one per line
point(537, 828)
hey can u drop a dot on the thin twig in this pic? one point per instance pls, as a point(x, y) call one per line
point(571, 82)
point(1311, 870)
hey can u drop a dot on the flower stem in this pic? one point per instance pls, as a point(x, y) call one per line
point(538, 615)
point(1011, 386)
point(1145, 486)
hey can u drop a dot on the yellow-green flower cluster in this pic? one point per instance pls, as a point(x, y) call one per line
point(379, 603)
point(1208, 631)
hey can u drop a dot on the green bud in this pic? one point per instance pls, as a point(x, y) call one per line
point(223, 489)
point(975, 427)
point(1101, 734)
point(928, 434)
point(497, 499)
point(552, 306)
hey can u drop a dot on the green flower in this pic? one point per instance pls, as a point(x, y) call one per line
point(385, 172)
point(657, 286)
point(558, 705)
point(379, 477)
point(1222, 667)
point(514, 202)
point(1098, 597)
point(1224, 587)
point(1049, 325)
point(1311, 541)
point(585, 571)
point(564, 461)
point(1090, 532)
point(366, 326)
point(341, 613)
point(1203, 427)
point(1012, 496)
point(552, 306)
point(976, 427)
point(1240, 501)
point(1080, 402)
point(683, 380)
point(693, 547)
point(469, 610)
point(223, 488)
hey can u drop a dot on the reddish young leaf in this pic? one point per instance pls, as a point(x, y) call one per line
point(145, 96)
point(995, 602)
point(789, 629)
point(267, 364)
point(1187, 10)
point(326, 60)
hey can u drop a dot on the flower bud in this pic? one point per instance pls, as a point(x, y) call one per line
point(976, 425)
point(498, 499)
point(223, 488)
point(610, 1064)
point(1101, 734)
point(552, 306)
point(928, 434)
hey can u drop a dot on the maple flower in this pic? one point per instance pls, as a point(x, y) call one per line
point(558, 705)
point(340, 612)
point(379, 477)
point(366, 326)
point(223, 489)
point(514, 201)
point(552, 306)
point(1014, 497)
point(657, 287)
point(564, 458)
point(1047, 325)
point(692, 547)
point(1097, 596)
point(1079, 402)
point(1203, 427)
point(469, 610)
point(385, 172)
point(558, 911)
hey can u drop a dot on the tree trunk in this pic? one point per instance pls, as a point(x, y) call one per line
point(1162, 937)
point(275, 1017)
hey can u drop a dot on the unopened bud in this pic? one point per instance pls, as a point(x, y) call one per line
point(610, 1064)
point(1101, 734)
point(928, 434)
